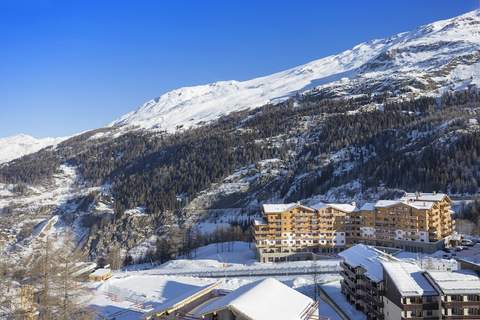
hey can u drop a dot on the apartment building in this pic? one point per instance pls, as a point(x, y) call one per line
point(294, 231)
point(362, 282)
point(417, 222)
point(459, 293)
point(384, 287)
point(408, 293)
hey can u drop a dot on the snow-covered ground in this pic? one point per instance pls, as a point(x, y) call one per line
point(324, 310)
point(129, 293)
point(333, 290)
point(233, 259)
point(128, 296)
point(43, 205)
point(139, 289)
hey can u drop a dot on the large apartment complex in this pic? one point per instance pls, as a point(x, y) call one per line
point(289, 231)
point(416, 222)
point(384, 287)
point(416, 217)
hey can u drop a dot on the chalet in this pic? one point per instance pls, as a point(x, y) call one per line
point(101, 274)
point(261, 300)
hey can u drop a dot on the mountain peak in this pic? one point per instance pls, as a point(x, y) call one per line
point(433, 58)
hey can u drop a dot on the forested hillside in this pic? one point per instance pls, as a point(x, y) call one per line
point(304, 147)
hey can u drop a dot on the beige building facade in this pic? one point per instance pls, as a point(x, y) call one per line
point(418, 222)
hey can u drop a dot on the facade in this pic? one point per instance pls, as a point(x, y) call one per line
point(418, 222)
point(261, 300)
point(101, 274)
point(384, 287)
point(408, 293)
point(459, 293)
point(290, 231)
point(362, 282)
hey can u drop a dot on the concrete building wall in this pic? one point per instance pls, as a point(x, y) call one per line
point(390, 310)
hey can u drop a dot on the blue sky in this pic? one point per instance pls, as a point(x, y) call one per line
point(67, 66)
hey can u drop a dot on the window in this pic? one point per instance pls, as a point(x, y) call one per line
point(457, 298)
point(473, 297)
point(474, 311)
point(457, 311)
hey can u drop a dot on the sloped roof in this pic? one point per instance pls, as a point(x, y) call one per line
point(386, 203)
point(420, 204)
point(417, 204)
point(279, 207)
point(345, 207)
point(408, 278)
point(319, 205)
point(101, 272)
point(261, 300)
point(368, 258)
point(470, 254)
point(259, 221)
point(432, 197)
point(368, 207)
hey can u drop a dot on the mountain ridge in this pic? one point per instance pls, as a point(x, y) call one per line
point(189, 106)
point(19, 145)
point(377, 65)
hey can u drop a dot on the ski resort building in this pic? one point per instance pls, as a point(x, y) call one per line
point(384, 287)
point(260, 300)
point(408, 293)
point(101, 274)
point(459, 293)
point(292, 231)
point(417, 222)
point(362, 282)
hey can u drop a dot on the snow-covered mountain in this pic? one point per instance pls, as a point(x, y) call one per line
point(20, 145)
point(126, 188)
point(428, 60)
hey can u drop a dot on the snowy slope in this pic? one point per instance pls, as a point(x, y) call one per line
point(20, 145)
point(428, 60)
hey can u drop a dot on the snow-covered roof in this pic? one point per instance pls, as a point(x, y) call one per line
point(274, 208)
point(456, 282)
point(83, 267)
point(368, 258)
point(386, 203)
point(470, 254)
point(261, 300)
point(319, 205)
point(420, 204)
point(101, 272)
point(368, 207)
point(417, 204)
point(259, 221)
point(408, 278)
point(345, 207)
point(432, 197)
